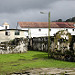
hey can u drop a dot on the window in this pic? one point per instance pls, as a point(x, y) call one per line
point(27, 36)
point(7, 33)
point(39, 29)
point(49, 29)
point(17, 32)
point(66, 29)
point(5, 27)
point(73, 29)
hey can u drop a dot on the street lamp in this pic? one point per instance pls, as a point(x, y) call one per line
point(48, 32)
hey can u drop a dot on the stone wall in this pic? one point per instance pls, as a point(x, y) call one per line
point(18, 45)
point(39, 43)
point(62, 46)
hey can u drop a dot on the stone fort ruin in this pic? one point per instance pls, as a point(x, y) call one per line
point(62, 45)
point(17, 45)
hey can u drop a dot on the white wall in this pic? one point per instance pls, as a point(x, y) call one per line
point(1, 27)
point(34, 32)
point(7, 26)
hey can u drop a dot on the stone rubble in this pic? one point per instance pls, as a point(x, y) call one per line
point(17, 45)
point(47, 71)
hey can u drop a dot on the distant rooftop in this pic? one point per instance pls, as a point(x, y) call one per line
point(5, 23)
point(45, 24)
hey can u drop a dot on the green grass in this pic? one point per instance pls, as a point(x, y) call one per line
point(32, 59)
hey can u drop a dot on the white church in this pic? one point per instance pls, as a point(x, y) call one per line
point(40, 29)
point(5, 26)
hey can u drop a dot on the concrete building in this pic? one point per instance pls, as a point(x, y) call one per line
point(7, 34)
point(40, 29)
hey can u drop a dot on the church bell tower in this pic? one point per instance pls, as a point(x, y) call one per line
point(6, 25)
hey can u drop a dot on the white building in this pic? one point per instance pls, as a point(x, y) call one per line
point(7, 34)
point(4, 26)
point(40, 29)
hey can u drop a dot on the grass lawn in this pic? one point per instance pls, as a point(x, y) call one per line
point(32, 59)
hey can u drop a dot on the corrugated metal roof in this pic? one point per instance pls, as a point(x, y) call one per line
point(45, 24)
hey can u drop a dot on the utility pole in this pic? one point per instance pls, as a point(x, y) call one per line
point(48, 34)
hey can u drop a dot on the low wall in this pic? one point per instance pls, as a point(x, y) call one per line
point(18, 45)
point(63, 51)
point(39, 44)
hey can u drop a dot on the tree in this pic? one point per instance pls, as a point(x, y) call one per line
point(59, 20)
point(68, 20)
point(73, 19)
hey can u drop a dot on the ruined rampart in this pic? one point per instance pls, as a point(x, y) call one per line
point(62, 45)
point(17, 45)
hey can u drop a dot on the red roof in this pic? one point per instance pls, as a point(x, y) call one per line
point(45, 24)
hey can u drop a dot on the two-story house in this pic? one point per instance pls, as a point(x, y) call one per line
point(7, 34)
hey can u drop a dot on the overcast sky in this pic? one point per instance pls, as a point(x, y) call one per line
point(13, 11)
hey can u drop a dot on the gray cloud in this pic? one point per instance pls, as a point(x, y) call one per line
point(13, 11)
point(13, 6)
